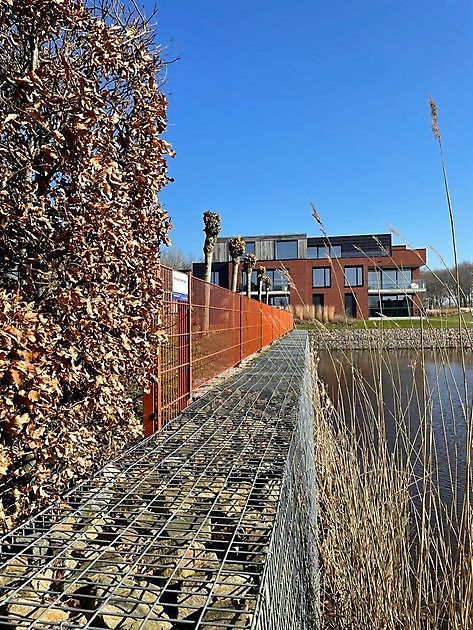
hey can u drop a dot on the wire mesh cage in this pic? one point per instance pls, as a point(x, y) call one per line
point(206, 524)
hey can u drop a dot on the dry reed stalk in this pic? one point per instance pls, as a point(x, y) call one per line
point(394, 552)
point(388, 540)
point(466, 514)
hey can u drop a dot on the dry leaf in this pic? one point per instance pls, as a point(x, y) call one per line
point(81, 211)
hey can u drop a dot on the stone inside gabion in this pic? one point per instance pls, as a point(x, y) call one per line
point(174, 534)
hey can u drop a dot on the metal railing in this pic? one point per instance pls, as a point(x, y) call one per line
point(413, 285)
point(208, 331)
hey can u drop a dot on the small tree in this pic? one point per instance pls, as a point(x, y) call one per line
point(236, 247)
point(211, 228)
point(267, 282)
point(249, 262)
point(260, 274)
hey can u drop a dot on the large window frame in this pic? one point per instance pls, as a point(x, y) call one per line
point(383, 278)
point(326, 279)
point(278, 279)
point(358, 280)
point(280, 244)
point(250, 247)
point(254, 281)
point(281, 301)
point(390, 305)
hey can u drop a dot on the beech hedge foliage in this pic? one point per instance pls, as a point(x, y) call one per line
point(82, 159)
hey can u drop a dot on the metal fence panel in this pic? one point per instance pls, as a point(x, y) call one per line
point(211, 332)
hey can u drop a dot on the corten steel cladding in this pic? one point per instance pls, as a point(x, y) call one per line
point(212, 332)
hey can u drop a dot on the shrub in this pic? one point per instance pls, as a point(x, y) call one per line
point(81, 163)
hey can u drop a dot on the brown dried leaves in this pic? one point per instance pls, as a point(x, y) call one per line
point(81, 163)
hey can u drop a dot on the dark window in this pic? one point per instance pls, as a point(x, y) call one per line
point(318, 299)
point(286, 250)
point(353, 276)
point(335, 251)
point(350, 305)
point(390, 306)
point(374, 306)
point(254, 281)
point(351, 251)
point(279, 281)
point(215, 277)
point(250, 247)
point(279, 300)
point(321, 277)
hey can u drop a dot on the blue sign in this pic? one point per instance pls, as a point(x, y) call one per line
point(179, 297)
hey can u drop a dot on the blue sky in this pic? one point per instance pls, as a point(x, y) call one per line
point(274, 104)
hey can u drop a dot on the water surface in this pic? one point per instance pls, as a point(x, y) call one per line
point(420, 392)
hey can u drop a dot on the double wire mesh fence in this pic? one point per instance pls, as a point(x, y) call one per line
point(209, 330)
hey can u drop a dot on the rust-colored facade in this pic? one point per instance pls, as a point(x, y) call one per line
point(362, 276)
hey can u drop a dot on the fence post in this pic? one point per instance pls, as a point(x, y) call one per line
point(189, 332)
point(151, 401)
point(241, 327)
point(261, 325)
point(149, 410)
point(159, 396)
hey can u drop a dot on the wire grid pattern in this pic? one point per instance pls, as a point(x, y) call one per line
point(291, 599)
point(188, 528)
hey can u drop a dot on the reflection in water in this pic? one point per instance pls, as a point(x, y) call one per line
point(416, 396)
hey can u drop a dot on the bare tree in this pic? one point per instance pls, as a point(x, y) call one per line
point(437, 291)
point(441, 288)
point(465, 278)
point(211, 228)
point(249, 262)
point(175, 259)
point(236, 247)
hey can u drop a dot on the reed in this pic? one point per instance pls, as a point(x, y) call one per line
point(392, 547)
point(394, 484)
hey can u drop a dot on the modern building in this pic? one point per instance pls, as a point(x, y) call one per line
point(362, 276)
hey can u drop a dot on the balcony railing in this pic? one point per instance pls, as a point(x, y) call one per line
point(414, 285)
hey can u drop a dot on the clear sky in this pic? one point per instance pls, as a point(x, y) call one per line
point(276, 103)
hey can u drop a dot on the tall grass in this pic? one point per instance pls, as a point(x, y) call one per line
point(394, 483)
point(311, 313)
point(393, 550)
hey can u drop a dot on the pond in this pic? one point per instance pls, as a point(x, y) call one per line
point(418, 396)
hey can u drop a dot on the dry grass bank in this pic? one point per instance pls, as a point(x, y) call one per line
point(394, 553)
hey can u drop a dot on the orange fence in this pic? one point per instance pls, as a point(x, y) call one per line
point(210, 329)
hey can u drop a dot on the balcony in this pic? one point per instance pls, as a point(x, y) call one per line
point(415, 286)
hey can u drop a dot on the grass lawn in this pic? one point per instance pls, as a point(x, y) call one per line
point(450, 321)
